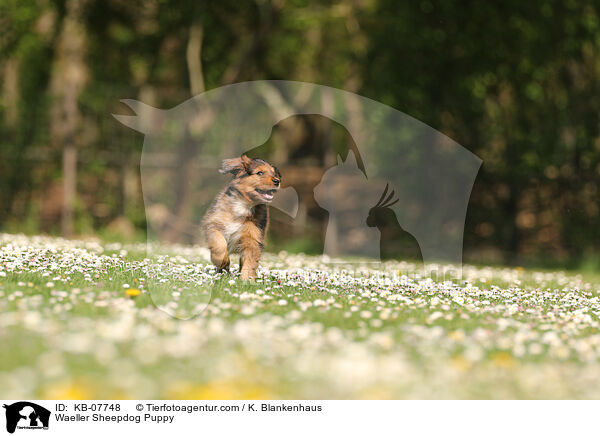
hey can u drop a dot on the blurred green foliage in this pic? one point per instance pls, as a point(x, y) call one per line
point(514, 82)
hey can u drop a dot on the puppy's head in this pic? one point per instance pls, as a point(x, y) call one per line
point(254, 179)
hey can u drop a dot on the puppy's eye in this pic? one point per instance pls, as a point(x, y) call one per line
point(260, 173)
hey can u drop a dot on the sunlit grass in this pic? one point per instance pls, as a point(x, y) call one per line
point(84, 320)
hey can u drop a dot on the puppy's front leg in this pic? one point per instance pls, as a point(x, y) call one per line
point(218, 250)
point(251, 248)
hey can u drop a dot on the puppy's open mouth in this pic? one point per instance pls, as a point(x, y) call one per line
point(266, 195)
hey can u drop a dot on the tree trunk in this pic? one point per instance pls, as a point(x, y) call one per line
point(194, 59)
point(179, 228)
point(69, 168)
point(69, 74)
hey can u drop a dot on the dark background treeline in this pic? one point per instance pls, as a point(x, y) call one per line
point(516, 83)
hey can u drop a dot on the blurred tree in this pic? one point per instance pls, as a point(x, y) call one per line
point(512, 82)
point(69, 75)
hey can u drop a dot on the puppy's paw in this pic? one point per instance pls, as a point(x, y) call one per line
point(248, 275)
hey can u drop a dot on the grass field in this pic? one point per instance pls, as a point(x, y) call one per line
point(78, 320)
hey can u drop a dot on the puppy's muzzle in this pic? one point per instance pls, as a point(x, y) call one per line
point(266, 195)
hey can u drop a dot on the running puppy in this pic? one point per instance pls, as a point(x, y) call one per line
point(237, 220)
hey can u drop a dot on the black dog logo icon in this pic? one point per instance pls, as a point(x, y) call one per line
point(24, 414)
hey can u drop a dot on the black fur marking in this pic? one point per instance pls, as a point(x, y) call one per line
point(262, 221)
point(232, 191)
point(261, 217)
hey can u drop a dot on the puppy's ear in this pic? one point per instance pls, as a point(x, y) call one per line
point(236, 165)
point(246, 161)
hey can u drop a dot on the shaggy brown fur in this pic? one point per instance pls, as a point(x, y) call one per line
point(237, 220)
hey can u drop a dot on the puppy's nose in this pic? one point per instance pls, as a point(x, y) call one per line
point(276, 182)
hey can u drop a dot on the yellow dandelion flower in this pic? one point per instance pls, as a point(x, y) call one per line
point(132, 292)
point(460, 364)
point(377, 393)
point(216, 390)
point(66, 391)
point(503, 360)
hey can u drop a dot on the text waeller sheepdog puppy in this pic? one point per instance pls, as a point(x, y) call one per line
point(237, 220)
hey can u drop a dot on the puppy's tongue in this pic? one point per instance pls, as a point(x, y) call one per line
point(268, 196)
